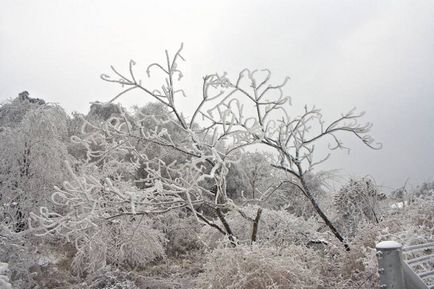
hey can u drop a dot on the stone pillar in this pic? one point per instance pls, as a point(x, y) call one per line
point(390, 268)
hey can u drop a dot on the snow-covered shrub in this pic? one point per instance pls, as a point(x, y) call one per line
point(280, 228)
point(424, 191)
point(108, 279)
point(260, 267)
point(291, 198)
point(32, 154)
point(357, 268)
point(412, 224)
point(276, 227)
point(124, 242)
point(100, 223)
point(181, 232)
point(358, 202)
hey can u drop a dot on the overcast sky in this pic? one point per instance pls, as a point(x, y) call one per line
point(375, 55)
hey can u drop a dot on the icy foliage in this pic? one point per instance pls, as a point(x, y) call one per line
point(123, 242)
point(32, 153)
point(358, 201)
point(276, 228)
point(291, 198)
point(358, 268)
point(246, 267)
point(414, 224)
point(181, 232)
point(13, 112)
point(108, 279)
point(425, 191)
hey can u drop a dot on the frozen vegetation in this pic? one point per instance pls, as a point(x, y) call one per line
point(230, 196)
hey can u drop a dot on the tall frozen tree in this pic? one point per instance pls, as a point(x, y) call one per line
point(32, 151)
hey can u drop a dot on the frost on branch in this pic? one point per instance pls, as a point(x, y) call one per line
point(292, 138)
point(89, 222)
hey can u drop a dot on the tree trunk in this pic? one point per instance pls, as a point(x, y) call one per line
point(255, 225)
point(323, 215)
point(226, 226)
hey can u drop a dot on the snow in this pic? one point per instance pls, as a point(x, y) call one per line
point(3, 268)
point(4, 280)
point(388, 245)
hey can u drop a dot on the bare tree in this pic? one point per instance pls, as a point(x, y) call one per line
point(256, 167)
point(293, 138)
point(234, 114)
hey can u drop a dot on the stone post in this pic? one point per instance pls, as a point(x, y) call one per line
point(390, 267)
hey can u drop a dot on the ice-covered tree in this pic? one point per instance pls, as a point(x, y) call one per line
point(256, 167)
point(231, 115)
point(293, 138)
point(33, 151)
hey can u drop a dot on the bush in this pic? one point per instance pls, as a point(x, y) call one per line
point(246, 267)
point(122, 242)
point(17, 252)
point(181, 232)
point(108, 279)
point(276, 227)
point(358, 202)
point(358, 267)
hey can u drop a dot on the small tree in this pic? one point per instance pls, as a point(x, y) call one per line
point(293, 138)
point(235, 114)
point(32, 150)
point(356, 202)
point(256, 167)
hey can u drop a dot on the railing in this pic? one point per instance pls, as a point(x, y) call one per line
point(415, 272)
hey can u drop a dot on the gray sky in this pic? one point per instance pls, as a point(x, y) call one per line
point(375, 55)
